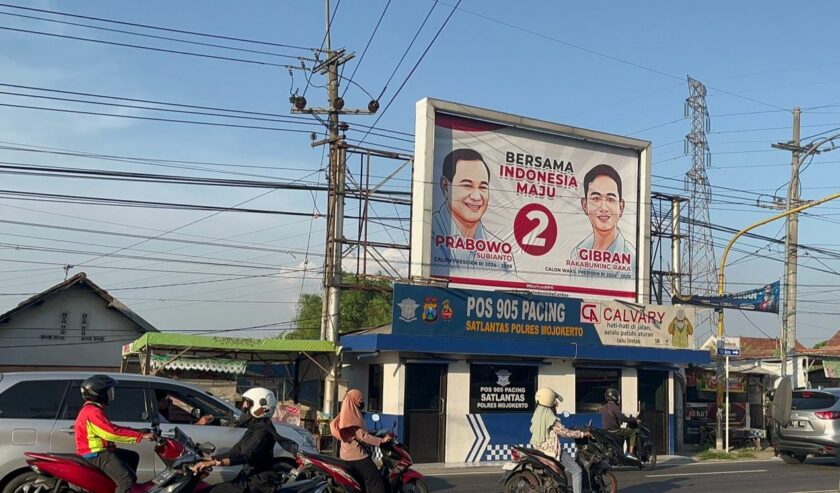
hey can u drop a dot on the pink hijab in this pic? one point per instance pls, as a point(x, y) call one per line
point(344, 426)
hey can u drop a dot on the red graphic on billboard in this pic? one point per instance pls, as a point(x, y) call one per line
point(535, 229)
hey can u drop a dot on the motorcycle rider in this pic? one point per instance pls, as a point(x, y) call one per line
point(546, 431)
point(349, 428)
point(95, 435)
point(255, 450)
point(611, 419)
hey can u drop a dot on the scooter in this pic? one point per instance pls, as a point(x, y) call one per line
point(396, 471)
point(63, 473)
point(533, 471)
point(59, 473)
point(396, 464)
point(645, 450)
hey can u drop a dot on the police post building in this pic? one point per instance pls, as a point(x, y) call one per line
point(529, 259)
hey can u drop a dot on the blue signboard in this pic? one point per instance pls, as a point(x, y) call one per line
point(763, 299)
point(422, 310)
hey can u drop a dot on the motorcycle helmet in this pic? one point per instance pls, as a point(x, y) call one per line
point(260, 398)
point(99, 388)
point(547, 397)
point(612, 395)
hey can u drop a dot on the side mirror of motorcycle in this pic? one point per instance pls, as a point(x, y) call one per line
point(207, 448)
point(155, 423)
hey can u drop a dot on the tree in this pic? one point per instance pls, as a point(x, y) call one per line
point(367, 304)
point(820, 344)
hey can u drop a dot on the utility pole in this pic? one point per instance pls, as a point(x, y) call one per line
point(336, 181)
point(788, 335)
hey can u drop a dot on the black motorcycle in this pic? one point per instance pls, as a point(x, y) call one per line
point(532, 471)
point(645, 451)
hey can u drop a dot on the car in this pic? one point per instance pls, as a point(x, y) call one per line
point(37, 411)
point(814, 426)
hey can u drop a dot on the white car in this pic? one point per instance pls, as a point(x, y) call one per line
point(37, 411)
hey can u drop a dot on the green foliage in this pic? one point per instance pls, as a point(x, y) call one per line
point(712, 454)
point(360, 308)
point(820, 344)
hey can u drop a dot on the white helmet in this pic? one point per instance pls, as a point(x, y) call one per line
point(547, 397)
point(260, 398)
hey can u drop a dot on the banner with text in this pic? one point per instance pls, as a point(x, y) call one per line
point(516, 208)
point(763, 299)
point(431, 311)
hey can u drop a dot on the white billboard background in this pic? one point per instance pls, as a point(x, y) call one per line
point(550, 271)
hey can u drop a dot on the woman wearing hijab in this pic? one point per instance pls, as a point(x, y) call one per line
point(546, 431)
point(349, 429)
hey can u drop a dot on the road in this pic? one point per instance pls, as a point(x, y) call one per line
point(766, 476)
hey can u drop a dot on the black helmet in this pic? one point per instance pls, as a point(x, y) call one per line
point(99, 388)
point(611, 395)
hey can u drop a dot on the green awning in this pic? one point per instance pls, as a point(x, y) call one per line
point(174, 342)
point(215, 365)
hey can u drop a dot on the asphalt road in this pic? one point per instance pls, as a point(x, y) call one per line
point(766, 476)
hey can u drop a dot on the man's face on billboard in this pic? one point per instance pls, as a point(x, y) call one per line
point(469, 193)
point(602, 204)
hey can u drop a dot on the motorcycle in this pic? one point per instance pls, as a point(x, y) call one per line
point(396, 465)
point(533, 471)
point(64, 473)
point(397, 475)
point(645, 450)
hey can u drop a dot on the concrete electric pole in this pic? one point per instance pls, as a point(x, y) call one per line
point(336, 180)
point(788, 336)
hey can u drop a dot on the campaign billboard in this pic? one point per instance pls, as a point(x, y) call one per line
point(505, 202)
point(502, 316)
point(763, 299)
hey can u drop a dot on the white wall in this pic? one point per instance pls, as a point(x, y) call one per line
point(393, 384)
point(459, 436)
point(560, 376)
point(629, 391)
point(21, 342)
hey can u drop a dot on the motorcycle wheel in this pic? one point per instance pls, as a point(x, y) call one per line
point(649, 454)
point(24, 482)
point(416, 486)
point(522, 482)
point(609, 483)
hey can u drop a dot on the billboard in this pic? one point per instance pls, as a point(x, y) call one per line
point(504, 202)
point(763, 299)
point(501, 316)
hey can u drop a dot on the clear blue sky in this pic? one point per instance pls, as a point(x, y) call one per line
point(612, 66)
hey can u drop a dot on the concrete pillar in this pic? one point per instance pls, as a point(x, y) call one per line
point(459, 435)
point(629, 391)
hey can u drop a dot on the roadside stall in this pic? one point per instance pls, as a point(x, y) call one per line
point(228, 366)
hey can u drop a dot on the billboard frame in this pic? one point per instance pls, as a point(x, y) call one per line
point(422, 179)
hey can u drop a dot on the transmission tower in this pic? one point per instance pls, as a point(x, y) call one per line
point(699, 263)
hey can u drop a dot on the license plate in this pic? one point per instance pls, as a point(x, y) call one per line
point(509, 466)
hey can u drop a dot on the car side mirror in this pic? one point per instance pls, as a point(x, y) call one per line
point(155, 423)
point(207, 448)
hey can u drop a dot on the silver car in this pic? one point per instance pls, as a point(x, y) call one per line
point(37, 411)
point(814, 427)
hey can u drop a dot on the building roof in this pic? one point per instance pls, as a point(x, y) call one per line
point(81, 279)
point(764, 347)
point(834, 342)
point(269, 349)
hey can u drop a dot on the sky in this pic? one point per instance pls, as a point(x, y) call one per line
point(617, 67)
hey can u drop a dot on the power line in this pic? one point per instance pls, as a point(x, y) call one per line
point(158, 28)
point(148, 48)
point(152, 36)
point(367, 45)
point(405, 53)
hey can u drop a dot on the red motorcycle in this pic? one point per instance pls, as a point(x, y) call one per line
point(396, 471)
point(60, 473)
point(63, 473)
point(396, 467)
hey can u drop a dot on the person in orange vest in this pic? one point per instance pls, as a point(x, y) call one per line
point(96, 435)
